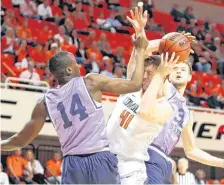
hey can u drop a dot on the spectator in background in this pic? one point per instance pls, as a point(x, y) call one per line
point(81, 53)
point(8, 41)
point(49, 78)
point(148, 5)
point(29, 9)
point(44, 34)
point(30, 73)
point(67, 45)
point(208, 42)
point(54, 168)
point(219, 55)
point(104, 45)
point(17, 3)
point(95, 49)
point(176, 13)
point(56, 10)
point(35, 168)
point(188, 14)
point(119, 55)
point(151, 25)
point(102, 22)
point(54, 49)
point(24, 31)
point(174, 171)
point(121, 17)
point(70, 4)
point(90, 38)
point(108, 71)
point(66, 12)
point(193, 95)
point(38, 57)
point(182, 25)
point(4, 179)
point(123, 66)
point(74, 38)
point(113, 23)
point(183, 176)
point(118, 73)
point(16, 165)
point(60, 35)
point(191, 26)
point(200, 177)
point(21, 51)
point(69, 26)
point(91, 65)
point(113, 4)
point(44, 10)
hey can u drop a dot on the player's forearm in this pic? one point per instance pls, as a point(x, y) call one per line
point(203, 157)
point(12, 143)
point(139, 70)
point(148, 101)
point(131, 65)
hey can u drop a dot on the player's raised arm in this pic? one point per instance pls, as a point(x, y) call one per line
point(122, 86)
point(30, 130)
point(148, 101)
point(193, 152)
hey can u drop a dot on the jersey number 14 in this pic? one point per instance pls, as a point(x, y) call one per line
point(126, 118)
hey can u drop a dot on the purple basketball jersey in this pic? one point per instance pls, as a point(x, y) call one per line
point(172, 129)
point(78, 121)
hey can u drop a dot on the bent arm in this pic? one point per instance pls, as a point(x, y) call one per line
point(30, 130)
point(118, 85)
point(148, 101)
point(196, 154)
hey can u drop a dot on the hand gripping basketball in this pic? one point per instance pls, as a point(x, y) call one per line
point(166, 65)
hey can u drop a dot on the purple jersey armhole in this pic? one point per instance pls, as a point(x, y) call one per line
point(90, 95)
point(48, 112)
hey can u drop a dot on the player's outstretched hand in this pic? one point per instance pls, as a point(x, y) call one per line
point(191, 38)
point(138, 19)
point(140, 42)
point(166, 65)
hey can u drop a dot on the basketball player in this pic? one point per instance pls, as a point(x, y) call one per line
point(159, 167)
point(75, 110)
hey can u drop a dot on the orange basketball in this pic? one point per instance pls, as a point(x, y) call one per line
point(175, 42)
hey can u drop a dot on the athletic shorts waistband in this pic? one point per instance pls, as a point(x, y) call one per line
point(160, 153)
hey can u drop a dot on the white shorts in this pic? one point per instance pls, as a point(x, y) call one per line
point(132, 172)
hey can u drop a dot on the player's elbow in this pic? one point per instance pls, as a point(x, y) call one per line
point(189, 153)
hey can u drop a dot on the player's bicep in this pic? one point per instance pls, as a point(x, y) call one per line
point(34, 125)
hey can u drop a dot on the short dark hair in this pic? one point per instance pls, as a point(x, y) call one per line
point(58, 63)
point(153, 60)
point(189, 65)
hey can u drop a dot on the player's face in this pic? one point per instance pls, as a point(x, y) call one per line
point(180, 75)
point(150, 70)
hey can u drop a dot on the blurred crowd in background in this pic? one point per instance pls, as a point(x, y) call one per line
point(98, 34)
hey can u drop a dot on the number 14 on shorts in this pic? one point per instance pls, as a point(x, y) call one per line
point(126, 118)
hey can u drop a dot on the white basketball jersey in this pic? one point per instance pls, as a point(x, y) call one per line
point(130, 135)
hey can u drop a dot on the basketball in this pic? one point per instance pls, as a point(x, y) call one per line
point(175, 42)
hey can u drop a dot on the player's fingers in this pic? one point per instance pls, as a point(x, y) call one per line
point(192, 51)
point(166, 57)
point(130, 20)
point(176, 60)
point(132, 14)
point(141, 10)
point(187, 34)
point(183, 32)
point(172, 57)
point(162, 59)
point(145, 14)
point(136, 13)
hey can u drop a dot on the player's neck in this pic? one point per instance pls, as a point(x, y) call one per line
point(64, 80)
point(181, 89)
